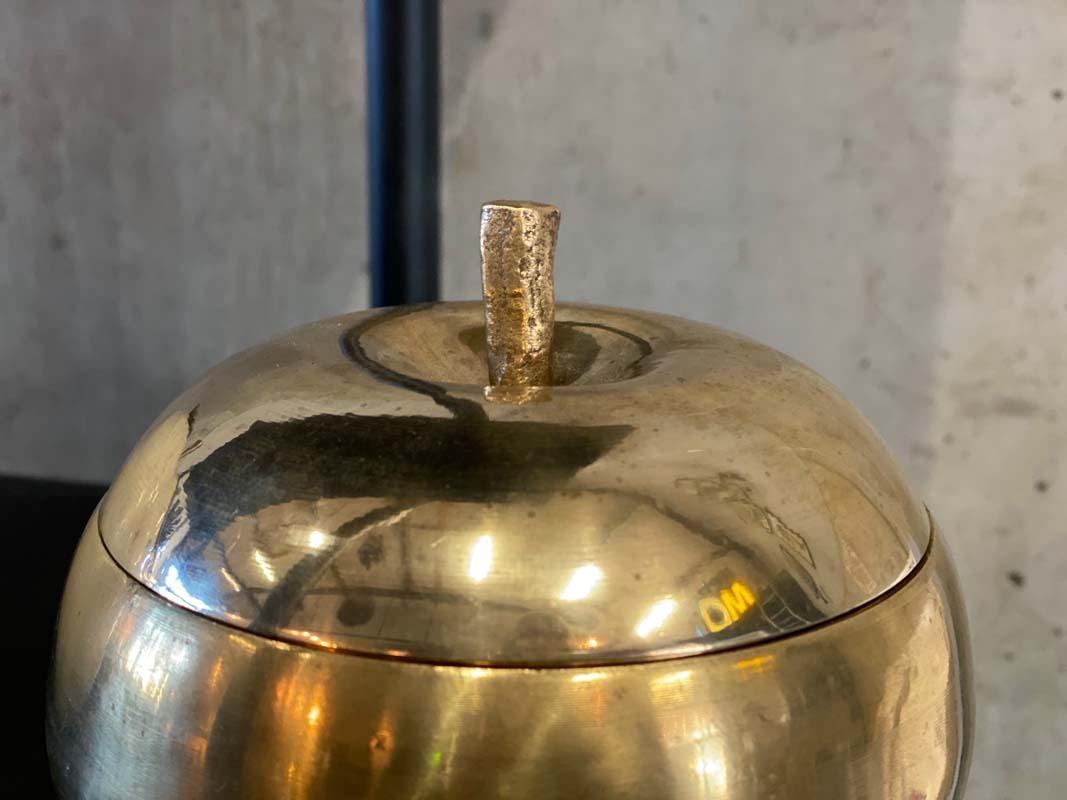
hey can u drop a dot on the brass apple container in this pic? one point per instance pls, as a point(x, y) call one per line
point(511, 550)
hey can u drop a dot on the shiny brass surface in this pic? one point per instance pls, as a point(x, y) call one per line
point(518, 242)
point(151, 701)
point(638, 557)
point(349, 486)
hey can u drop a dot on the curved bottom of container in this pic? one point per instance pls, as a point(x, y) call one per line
point(151, 701)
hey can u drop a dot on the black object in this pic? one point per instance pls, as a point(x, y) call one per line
point(43, 521)
point(403, 136)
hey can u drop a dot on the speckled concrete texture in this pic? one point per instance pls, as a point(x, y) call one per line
point(177, 182)
point(879, 189)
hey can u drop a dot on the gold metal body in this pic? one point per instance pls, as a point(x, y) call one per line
point(349, 486)
point(339, 567)
point(151, 701)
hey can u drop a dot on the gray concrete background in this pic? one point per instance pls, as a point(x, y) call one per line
point(878, 189)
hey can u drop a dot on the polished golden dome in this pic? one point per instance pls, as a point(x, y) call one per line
point(634, 556)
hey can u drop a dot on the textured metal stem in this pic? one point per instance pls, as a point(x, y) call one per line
point(518, 243)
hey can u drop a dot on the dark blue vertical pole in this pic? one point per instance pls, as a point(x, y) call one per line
point(403, 135)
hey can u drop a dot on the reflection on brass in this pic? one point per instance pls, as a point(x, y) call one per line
point(309, 504)
point(518, 395)
point(518, 242)
point(169, 705)
point(341, 566)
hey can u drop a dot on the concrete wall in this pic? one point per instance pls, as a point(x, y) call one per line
point(876, 188)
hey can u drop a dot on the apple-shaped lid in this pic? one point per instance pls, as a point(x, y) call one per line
point(514, 483)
